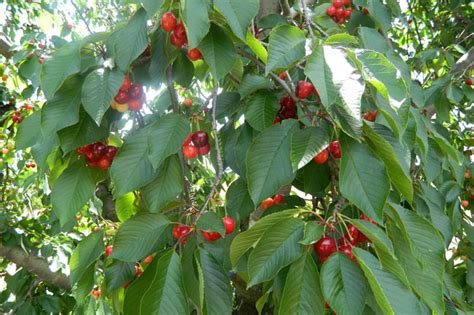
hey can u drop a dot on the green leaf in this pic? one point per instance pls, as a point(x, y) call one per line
point(437, 205)
point(63, 109)
point(383, 247)
point(399, 177)
point(426, 241)
point(137, 236)
point(117, 274)
point(277, 248)
point(84, 132)
point(305, 179)
point(183, 70)
point(384, 76)
point(196, 20)
point(130, 42)
point(373, 40)
point(390, 293)
point(252, 83)
point(286, 46)
point(268, 161)
point(217, 289)
point(64, 62)
point(312, 233)
point(131, 167)
point(218, 51)
point(85, 254)
point(341, 39)
point(166, 136)
point(426, 284)
point(211, 222)
point(343, 284)
point(98, 91)
point(27, 134)
point(151, 6)
point(302, 292)
point(167, 184)
point(125, 206)
point(72, 190)
point(306, 144)
point(248, 239)
point(238, 201)
point(379, 13)
point(159, 290)
point(227, 103)
point(82, 288)
point(239, 14)
point(363, 179)
point(239, 141)
point(334, 76)
point(261, 110)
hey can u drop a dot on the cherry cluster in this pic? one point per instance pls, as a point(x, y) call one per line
point(129, 97)
point(30, 165)
point(334, 148)
point(178, 35)
point(327, 245)
point(287, 110)
point(196, 144)
point(337, 12)
point(276, 200)
point(182, 232)
point(17, 115)
point(98, 154)
point(370, 116)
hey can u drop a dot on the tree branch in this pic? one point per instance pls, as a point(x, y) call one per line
point(5, 48)
point(35, 265)
point(306, 17)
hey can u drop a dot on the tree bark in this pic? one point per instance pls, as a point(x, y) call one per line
point(5, 48)
point(35, 265)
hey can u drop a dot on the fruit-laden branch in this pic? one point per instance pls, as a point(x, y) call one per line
point(35, 265)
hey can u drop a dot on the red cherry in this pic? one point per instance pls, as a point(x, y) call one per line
point(180, 232)
point(337, 3)
point(348, 251)
point(175, 41)
point(468, 82)
point(304, 89)
point(31, 42)
point(365, 11)
point(69, 26)
point(276, 121)
point(190, 152)
point(347, 14)
point(340, 12)
point(347, 3)
point(229, 225)
point(188, 102)
point(121, 97)
point(465, 203)
point(200, 138)
point(148, 259)
point(325, 247)
point(28, 107)
point(370, 116)
point(111, 151)
point(331, 10)
point(283, 75)
point(194, 54)
point(204, 150)
point(267, 203)
point(288, 112)
point(135, 91)
point(127, 83)
point(341, 20)
point(103, 163)
point(287, 102)
point(180, 32)
point(211, 236)
point(278, 199)
point(135, 105)
point(108, 250)
point(321, 157)
point(335, 149)
point(168, 21)
point(95, 293)
point(99, 149)
point(366, 218)
point(352, 237)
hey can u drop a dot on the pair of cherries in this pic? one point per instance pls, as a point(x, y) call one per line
point(276, 200)
point(327, 245)
point(334, 148)
point(196, 144)
point(98, 154)
point(129, 97)
point(178, 36)
point(182, 232)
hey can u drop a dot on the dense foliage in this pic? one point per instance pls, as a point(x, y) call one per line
point(211, 157)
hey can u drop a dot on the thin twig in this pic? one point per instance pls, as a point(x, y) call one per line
point(81, 16)
point(175, 105)
point(320, 30)
point(220, 164)
point(306, 17)
point(416, 24)
point(5, 180)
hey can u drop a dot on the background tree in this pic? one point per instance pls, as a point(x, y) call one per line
point(211, 157)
